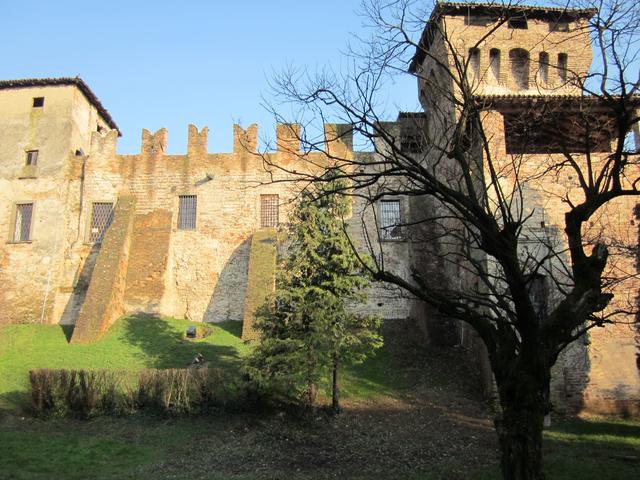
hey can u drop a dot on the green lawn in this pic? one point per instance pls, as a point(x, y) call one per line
point(412, 414)
point(131, 344)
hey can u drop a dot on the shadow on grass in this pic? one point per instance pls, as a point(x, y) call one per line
point(165, 347)
point(68, 331)
point(14, 401)
point(579, 426)
point(232, 327)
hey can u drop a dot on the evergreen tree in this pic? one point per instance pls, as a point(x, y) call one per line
point(307, 328)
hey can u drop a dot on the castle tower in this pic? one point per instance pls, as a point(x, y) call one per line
point(520, 67)
point(505, 50)
point(45, 133)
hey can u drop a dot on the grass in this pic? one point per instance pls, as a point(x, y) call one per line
point(132, 344)
point(598, 448)
point(420, 420)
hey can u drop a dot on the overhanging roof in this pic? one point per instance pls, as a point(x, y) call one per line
point(62, 81)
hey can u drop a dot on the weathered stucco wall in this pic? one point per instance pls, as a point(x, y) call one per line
point(31, 271)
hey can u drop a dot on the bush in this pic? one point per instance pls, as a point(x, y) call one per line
point(86, 394)
point(77, 393)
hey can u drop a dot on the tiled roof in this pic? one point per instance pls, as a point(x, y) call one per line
point(50, 82)
point(448, 7)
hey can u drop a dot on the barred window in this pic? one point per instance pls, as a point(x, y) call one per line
point(187, 210)
point(390, 220)
point(32, 157)
point(101, 218)
point(22, 227)
point(538, 294)
point(268, 211)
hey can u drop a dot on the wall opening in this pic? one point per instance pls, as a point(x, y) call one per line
point(519, 59)
point(543, 67)
point(494, 65)
point(563, 60)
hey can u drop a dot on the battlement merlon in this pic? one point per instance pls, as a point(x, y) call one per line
point(338, 140)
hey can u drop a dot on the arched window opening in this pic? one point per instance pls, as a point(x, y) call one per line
point(474, 64)
point(544, 67)
point(563, 59)
point(494, 65)
point(519, 59)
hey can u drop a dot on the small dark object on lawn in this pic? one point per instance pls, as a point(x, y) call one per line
point(197, 361)
point(191, 332)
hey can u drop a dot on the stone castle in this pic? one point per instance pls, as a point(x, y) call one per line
point(92, 235)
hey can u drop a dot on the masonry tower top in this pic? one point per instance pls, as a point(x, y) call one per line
point(506, 50)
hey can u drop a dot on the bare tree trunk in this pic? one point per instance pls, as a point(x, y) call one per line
point(524, 405)
point(335, 397)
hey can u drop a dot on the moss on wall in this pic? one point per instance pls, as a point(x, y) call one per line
point(261, 278)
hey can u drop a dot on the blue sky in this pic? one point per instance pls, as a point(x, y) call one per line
point(170, 63)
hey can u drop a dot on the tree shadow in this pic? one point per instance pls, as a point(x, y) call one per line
point(579, 426)
point(162, 346)
point(14, 401)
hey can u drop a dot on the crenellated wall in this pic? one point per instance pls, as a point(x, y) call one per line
point(197, 273)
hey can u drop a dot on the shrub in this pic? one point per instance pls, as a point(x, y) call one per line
point(78, 393)
point(85, 394)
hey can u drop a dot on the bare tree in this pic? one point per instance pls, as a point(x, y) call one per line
point(507, 192)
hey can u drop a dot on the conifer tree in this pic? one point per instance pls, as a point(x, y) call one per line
point(307, 327)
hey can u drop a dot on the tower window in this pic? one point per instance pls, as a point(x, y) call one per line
point(518, 23)
point(559, 26)
point(494, 64)
point(101, 218)
point(32, 157)
point(22, 225)
point(519, 59)
point(269, 211)
point(474, 64)
point(390, 220)
point(563, 59)
point(38, 102)
point(187, 210)
point(544, 67)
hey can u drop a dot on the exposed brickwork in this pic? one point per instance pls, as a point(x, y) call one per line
point(104, 302)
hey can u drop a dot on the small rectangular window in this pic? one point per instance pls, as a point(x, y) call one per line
point(32, 157)
point(538, 295)
point(269, 211)
point(480, 20)
point(518, 23)
point(22, 226)
point(101, 218)
point(563, 60)
point(390, 220)
point(187, 210)
point(38, 102)
point(559, 26)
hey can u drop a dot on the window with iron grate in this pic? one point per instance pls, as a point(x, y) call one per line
point(390, 220)
point(269, 211)
point(101, 218)
point(22, 226)
point(187, 211)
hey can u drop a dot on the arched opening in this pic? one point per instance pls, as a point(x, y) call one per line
point(519, 59)
point(494, 65)
point(474, 64)
point(563, 60)
point(543, 67)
